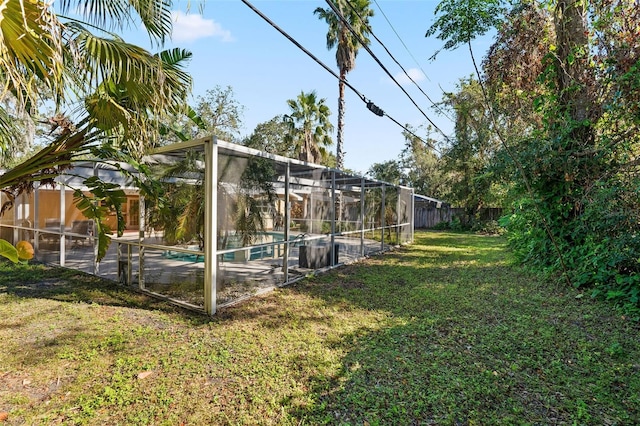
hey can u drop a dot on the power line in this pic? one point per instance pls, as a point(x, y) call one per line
point(370, 105)
point(412, 57)
point(301, 47)
point(375, 58)
point(395, 60)
point(401, 41)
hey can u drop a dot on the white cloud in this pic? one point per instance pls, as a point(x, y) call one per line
point(414, 73)
point(191, 27)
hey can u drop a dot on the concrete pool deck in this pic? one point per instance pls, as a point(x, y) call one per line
point(181, 278)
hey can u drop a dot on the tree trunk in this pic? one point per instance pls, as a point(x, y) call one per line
point(572, 62)
point(307, 154)
point(576, 108)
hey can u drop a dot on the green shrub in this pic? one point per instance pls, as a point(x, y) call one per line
point(457, 225)
point(442, 226)
point(489, 227)
point(326, 227)
point(601, 251)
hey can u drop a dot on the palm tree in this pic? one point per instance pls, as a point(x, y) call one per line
point(113, 90)
point(114, 93)
point(357, 14)
point(309, 127)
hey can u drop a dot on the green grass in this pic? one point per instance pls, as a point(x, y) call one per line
point(446, 331)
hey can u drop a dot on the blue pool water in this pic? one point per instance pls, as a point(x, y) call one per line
point(256, 253)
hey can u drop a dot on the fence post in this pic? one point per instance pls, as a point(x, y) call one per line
point(141, 250)
point(413, 212)
point(36, 217)
point(94, 243)
point(63, 220)
point(399, 192)
point(362, 216)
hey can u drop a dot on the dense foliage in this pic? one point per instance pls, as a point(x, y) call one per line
point(465, 171)
point(562, 82)
point(109, 96)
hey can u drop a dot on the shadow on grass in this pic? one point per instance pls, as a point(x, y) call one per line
point(39, 281)
point(440, 332)
point(471, 340)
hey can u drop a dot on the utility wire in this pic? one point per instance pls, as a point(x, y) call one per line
point(395, 60)
point(370, 105)
point(401, 41)
point(301, 47)
point(444, 92)
point(375, 58)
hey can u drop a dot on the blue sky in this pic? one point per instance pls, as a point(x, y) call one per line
point(233, 46)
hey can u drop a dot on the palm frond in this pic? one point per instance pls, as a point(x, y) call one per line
point(155, 15)
point(8, 133)
point(130, 91)
point(30, 50)
point(174, 57)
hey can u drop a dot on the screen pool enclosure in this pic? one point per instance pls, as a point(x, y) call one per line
point(232, 223)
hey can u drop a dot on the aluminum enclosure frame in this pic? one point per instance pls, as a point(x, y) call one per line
point(332, 189)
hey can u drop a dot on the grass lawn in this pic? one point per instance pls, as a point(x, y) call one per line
point(445, 331)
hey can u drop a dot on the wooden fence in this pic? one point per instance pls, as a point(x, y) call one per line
point(428, 214)
point(484, 215)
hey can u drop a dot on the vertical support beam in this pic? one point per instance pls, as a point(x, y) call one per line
point(413, 212)
point(94, 244)
point(398, 204)
point(382, 214)
point(121, 276)
point(16, 219)
point(141, 225)
point(333, 218)
point(362, 205)
point(36, 217)
point(287, 221)
point(312, 208)
point(129, 265)
point(63, 220)
point(210, 224)
point(125, 268)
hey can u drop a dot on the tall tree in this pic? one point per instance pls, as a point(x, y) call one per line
point(221, 113)
point(424, 168)
point(270, 137)
point(356, 14)
point(470, 156)
point(389, 171)
point(309, 128)
point(217, 113)
point(577, 152)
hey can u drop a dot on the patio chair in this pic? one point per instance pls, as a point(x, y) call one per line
point(52, 231)
point(84, 229)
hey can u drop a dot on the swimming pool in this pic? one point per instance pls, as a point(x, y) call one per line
point(233, 241)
